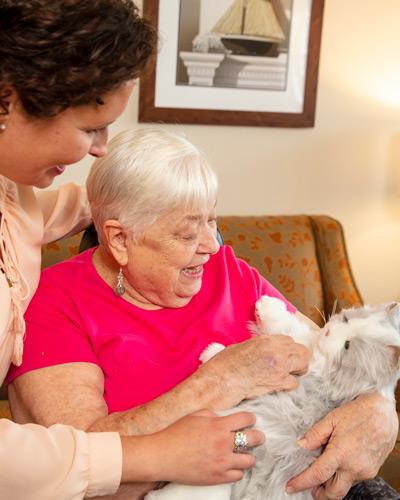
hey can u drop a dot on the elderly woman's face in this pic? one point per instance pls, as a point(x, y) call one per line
point(165, 267)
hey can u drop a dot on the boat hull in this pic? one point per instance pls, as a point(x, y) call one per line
point(248, 46)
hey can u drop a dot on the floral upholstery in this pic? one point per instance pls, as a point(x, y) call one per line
point(60, 250)
point(303, 256)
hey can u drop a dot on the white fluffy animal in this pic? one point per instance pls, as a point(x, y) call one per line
point(356, 352)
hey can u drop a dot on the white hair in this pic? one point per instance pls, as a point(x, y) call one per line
point(148, 173)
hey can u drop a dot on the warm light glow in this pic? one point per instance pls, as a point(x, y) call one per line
point(363, 61)
point(386, 88)
point(381, 86)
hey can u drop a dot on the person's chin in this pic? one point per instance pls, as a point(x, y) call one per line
point(181, 298)
point(47, 178)
point(44, 182)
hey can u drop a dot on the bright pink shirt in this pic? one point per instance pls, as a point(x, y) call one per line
point(76, 317)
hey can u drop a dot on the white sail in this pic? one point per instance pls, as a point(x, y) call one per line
point(254, 18)
point(232, 21)
point(260, 20)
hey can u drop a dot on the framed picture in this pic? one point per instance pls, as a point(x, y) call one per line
point(233, 62)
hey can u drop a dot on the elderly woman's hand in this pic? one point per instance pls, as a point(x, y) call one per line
point(258, 366)
point(359, 437)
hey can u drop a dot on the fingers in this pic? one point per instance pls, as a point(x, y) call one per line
point(318, 473)
point(335, 488)
point(254, 437)
point(233, 475)
point(238, 421)
point(289, 383)
point(299, 360)
point(297, 355)
point(243, 461)
point(318, 435)
point(203, 413)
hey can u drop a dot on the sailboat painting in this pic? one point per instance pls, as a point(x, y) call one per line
point(233, 62)
point(244, 46)
point(250, 27)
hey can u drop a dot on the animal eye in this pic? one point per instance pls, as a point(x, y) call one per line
point(347, 344)
point(345, 318)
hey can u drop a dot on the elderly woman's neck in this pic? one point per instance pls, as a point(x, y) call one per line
point(106, 265)
point(108, 268)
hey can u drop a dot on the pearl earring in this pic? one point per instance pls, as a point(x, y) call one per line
point(120, 289)
point(2, 127)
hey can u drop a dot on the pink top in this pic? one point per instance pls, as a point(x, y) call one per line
point(76, 317)
point(39, 463)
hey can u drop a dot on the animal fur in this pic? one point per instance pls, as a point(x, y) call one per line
point(356, 352)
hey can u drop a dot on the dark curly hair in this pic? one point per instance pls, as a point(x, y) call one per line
point(62, 53)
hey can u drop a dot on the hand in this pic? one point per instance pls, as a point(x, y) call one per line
point(198, 449)
point(261, 365)
point(359, 437)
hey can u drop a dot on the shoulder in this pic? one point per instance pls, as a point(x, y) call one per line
point(227, 267)
point(227, 259)
point(63, 280)
point(78, 263)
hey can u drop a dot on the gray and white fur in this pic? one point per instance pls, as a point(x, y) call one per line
point(356, 352)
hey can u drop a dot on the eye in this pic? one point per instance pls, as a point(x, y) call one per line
point(189, 237)
point(347, 344)
point(95, 130)
point(345, 318)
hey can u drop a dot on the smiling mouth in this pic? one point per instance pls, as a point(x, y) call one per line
point(60, 168)
point(193, 272)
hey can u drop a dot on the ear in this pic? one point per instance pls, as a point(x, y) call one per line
point(8, 100)
point(116, 241)
point(396, 355)
point(393, 310)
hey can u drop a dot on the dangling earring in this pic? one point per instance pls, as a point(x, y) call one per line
point(120, 289)
point(2, 127)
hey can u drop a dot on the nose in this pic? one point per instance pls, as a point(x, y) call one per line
point(99, 144)
point(208, 240)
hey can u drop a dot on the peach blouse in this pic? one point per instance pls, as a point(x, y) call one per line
point(36, 462)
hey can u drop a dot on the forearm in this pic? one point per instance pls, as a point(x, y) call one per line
point(204, 389)
point(58, 462)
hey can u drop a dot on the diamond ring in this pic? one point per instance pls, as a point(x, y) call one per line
point(240, 442)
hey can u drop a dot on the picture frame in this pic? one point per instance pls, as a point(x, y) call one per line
point(165, 99)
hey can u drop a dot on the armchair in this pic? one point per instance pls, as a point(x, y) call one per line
point(304, 256)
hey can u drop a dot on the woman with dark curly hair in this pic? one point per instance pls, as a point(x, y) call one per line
point(67, 69)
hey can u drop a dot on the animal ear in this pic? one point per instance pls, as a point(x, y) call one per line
point(393, 310)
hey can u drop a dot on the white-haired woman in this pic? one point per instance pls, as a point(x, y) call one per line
point(67, 69)
point(117, 345)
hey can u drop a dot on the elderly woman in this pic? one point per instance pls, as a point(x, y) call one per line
point(67, 69)
point(115, 334)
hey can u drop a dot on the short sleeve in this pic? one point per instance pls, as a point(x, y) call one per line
point(55, 332)
point(252, 282)
point(266, 288)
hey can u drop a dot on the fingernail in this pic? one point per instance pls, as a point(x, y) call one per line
point(289, 489)
point(302, 442)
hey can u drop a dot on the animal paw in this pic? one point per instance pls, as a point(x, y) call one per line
point(270, 313)
point(210, 351)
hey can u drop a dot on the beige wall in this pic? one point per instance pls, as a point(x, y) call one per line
point(347, 166)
